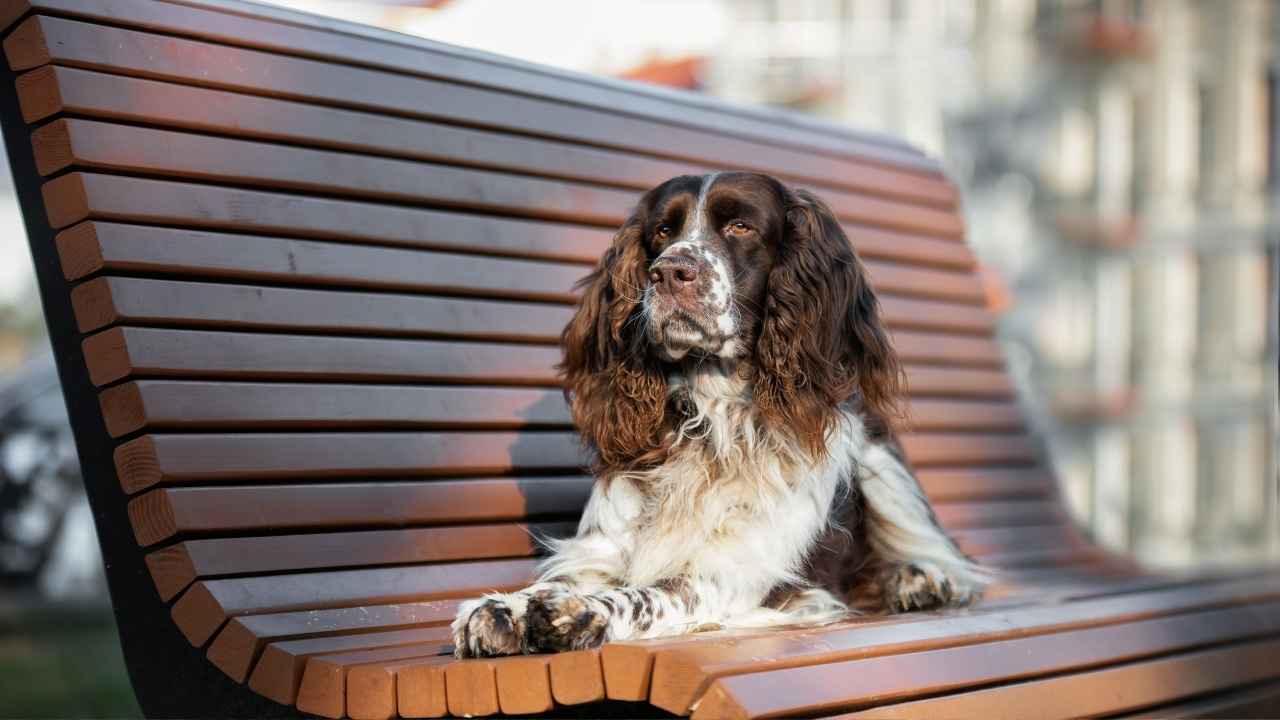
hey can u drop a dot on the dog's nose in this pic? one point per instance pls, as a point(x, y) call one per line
point(672, 275)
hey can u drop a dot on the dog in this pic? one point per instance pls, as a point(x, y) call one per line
point(728, 369)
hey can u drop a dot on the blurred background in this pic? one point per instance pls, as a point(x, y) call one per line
point(1119, 162)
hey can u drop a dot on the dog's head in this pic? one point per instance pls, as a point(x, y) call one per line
point(733, 266)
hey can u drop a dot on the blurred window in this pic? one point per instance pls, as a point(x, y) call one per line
point(1271, 114)
point(1205, 97)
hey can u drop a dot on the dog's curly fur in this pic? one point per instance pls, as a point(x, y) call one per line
point(729, 370)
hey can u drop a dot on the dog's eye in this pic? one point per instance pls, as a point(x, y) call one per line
point(664, 231)
point(737, 227)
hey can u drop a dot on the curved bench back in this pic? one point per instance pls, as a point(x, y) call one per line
point(304, 281)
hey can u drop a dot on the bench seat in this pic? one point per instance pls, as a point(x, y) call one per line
point(305, 281)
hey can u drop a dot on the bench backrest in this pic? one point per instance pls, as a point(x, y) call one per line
point(305, 282)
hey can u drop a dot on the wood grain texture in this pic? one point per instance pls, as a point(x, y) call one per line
point(207, 604)
point(142, 54)
point(110, 300)
point(94, 246)
point(178, 404)
point(278, 675)
point(323, 690)
point(126, 148)
point(1261, 700)
point(203, 158)
point(213, 458)
point(244, 509)
point(52, 89)
point(1123, 688)
point(153, 459)
point(674, 680)
point(372, 689)
point(877, 680)
point(121, 352)
point(240, 643)
point(117, 353)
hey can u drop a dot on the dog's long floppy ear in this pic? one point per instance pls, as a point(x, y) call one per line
point(615, 389)
point(822, 340)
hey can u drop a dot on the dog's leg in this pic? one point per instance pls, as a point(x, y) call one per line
point(560, 621)
point(498, 623)
point(919, 566)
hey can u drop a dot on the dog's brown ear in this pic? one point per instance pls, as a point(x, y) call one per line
point(822, 340)
point(615, 390)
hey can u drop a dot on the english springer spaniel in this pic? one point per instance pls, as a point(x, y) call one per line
point(729, 371)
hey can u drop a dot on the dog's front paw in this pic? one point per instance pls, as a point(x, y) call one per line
point(563, 622)
point(924, 586)
point(487, 627)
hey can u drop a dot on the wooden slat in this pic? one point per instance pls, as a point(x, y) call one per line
point(577, 677)
point(984, 513)
point(961, 414)
point(898, 311)
point(117, 353)
point(472, 688)
point(956, 350)
point(969, 448)
point(420, 689)
point(877, 680)
point(121, 352)
point(373, 692)
point(125, 148)
point(80, 196)
point(178, 459)
point(195, 510)
point(207, 604)
point(261, 73)
point(323, 690)
point(985, 541)
point(295, 34)
point(958, 382)
point(168, 404)
point(278, 673)
point(92, 247)
point(962, 483)
point(179, 565)
point(675, 679)
point(1103, 692)
point(142, 404)
point(237, 647)
point(50, 90)
point(1252, 701)
point(11, 11)
point(1041, 554)
point(153, 459)
point(110, 300)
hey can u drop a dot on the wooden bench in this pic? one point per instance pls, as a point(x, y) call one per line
point(304, 282)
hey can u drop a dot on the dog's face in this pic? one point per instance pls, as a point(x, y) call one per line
point(712, 242)
point(734, 266)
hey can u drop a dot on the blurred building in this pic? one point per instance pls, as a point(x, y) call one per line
point(1118, 160)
